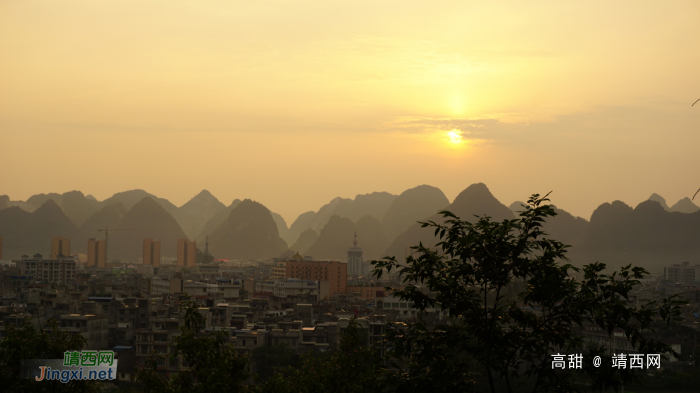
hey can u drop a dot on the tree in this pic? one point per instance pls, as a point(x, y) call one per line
point(502, 337)
point(349, 368)
point(267, 359)
point(212, 362)
point(25, 343)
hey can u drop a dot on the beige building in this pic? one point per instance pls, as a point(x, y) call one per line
point(0, 247)
point(186, 253)
point(280, 270)
point(683, 273)
point(96, 253)
point(49, 270)
point(151, 252)
point(94, 328)
point(336, 273)
point(60, 247)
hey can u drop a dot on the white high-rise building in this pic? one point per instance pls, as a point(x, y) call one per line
point(356, 266)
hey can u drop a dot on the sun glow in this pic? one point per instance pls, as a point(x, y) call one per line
point(455, 136)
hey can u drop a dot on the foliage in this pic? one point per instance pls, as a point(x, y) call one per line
point(349, 368)
point(212, 362)
point(25, 342)
point(508, 339)
point(267, 359)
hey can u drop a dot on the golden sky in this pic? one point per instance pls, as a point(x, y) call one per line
point(293, 103)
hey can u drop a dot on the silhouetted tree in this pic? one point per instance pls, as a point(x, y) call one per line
point(506, 341)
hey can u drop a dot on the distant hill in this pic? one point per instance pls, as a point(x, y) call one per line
point(375, 204)
point(216, 220)
point(132, 197)
point(194, 214)
point(647, 235)
point(30, 233)
point(658, 198)
point(301, 224)
point(146, 219)
point(334, 240)
point(4, 202)
point(474, 200)
point(108, 216)
point(305, 241)
point(281, 224)
point(77, 207)
point(685, 205)
point(338, 235)
point(73, 203)
point(371, 237)
point(411, 206)
point(563, 227)
point(250, 232)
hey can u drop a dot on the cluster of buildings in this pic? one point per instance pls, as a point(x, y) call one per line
point(134, 309)
point(298, 301)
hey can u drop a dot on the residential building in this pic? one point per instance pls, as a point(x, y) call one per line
point(186, 253)
point(280, 269)
point(51, 270)
point(682, 273)
point(335, 272)
point(94, 328)
point(60, 247)
point(97, 253)
point(151, 252)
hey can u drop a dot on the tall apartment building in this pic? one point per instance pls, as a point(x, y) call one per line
point(336, 273)
point(0, 247)
point(96, 253)
point(151, 252)
point(682, 273)
point(356, 266)
point(60, 247)
point(50, 270)
point(186, 253)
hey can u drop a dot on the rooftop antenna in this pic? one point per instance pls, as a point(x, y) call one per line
point(354, 242)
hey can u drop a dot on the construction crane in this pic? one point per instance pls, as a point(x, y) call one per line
point(107, 231)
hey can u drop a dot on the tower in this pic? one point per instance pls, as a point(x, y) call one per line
point(96, 253)
point(186, 252)
point(60, 247)
point(355, 264)
point(151, 252)
point(206, 250)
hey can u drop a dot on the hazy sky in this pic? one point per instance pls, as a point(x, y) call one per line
point(292, 103)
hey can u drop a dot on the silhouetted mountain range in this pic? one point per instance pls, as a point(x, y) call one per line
point(652, 234)
point(30, 233)
point(305, 241)
point(474, 200)
point(250, 232)
point(413, 205)
point(194, 214)
point(146, 219)
point(108, 216)
point(375, 204)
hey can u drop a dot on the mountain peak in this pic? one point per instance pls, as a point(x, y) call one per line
point(685, 205)
point(658, 198)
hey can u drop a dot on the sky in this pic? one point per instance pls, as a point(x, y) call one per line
point(294, 103)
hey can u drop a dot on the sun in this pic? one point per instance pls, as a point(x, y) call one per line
point(455, 136)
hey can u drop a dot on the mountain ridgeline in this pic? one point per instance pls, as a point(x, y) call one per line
point(651, 235)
